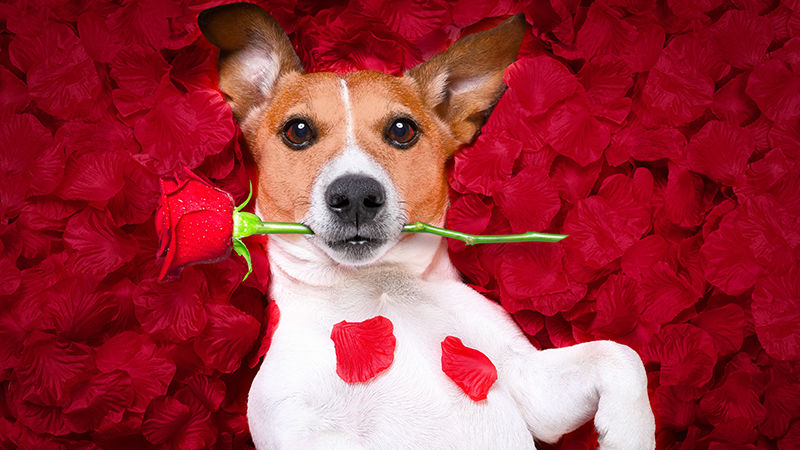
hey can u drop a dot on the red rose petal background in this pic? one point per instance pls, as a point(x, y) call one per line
point(664, 136)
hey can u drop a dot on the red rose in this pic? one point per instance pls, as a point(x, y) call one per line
point(194, 222)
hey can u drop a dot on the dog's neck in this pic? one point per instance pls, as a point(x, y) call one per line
point(296, 263)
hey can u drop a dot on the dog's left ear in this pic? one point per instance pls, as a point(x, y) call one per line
point(254, 52)
point(463, 83)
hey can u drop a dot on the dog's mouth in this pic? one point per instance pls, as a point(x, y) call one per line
point(355, 249)
point(356, 240)
point(354, 246)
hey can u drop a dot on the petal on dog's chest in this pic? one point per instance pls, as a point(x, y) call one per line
point(363, 349)
point(470, 369)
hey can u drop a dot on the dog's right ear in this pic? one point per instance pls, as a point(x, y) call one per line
point(254, 52)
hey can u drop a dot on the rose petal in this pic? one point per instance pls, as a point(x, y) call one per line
point(273, 319)
point(529, 187)
point(776, 316)
point(531, 278)
point(774, 89)
point(720, 151)
point(742, 38)
point(49, 368)
point(687, 355)
point(539, 83)
point(168, 421)
point(726, 324)
point(98, 246)
point(470, 369)
point(228, 336)
point(485, 165)
point(174, 309)
point(363, 349)
point(135, 354)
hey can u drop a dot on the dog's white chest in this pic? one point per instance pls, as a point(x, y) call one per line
point(412, 402)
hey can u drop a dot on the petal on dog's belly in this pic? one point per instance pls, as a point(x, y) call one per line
point(471, 370)
point(363, 349)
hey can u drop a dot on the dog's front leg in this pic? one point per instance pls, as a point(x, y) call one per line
point(560, 389)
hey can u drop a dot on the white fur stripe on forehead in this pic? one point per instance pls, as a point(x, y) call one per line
point(352, 160)
point(350, 138)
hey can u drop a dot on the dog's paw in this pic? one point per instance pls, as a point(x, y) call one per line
point(624, 419)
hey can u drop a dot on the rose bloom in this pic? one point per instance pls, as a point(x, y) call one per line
point(194, 222)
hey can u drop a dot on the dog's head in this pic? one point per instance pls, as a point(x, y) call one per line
point(354, 156)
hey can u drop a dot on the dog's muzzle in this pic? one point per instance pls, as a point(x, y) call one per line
point(357, 221)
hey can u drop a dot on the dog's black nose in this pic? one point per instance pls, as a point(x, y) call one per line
point(355, 199)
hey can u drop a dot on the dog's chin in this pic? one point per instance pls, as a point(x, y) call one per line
point(354, 249)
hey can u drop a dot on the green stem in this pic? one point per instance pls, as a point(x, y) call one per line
point(248, 224)
point(471, 239)
point(282, 228)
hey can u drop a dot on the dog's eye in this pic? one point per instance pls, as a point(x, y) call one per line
point(298, 134)
point(402, 133)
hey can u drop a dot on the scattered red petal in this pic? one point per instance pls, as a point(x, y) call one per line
point(94, 176)
point(174, 309)
point(532, 278)
point(732, 104)
point(49, 368)
point(680, 85)
point(752, 240)
point(470, 369)
point(532, 187)
point(61, 78)
point(273, 319)
point(539, 83)
point(675, 405)
point(172, 423)
point(720, 151)
point(776, 315)
point(726, 324)
point(103, 397)
point(573, 131)
point(645, 144)
point(14, 96)
point(602, 227)
point(742, 38)
point(98, 246)
point(363, 349)
point(228, 336)
point(733, 400)
point(136, 355)
point(604, 32)
point(687, 355)
point(619, 304)
point(774, 88)
point(182, 129)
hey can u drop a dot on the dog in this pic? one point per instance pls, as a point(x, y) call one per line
point(379, 344)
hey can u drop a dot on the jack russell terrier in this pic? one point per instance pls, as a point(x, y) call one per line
point(379, 344)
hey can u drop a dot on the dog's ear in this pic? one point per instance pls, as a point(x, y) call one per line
point(254, 52)
point(464, 82)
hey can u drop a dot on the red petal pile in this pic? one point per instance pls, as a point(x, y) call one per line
point(664, 136)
